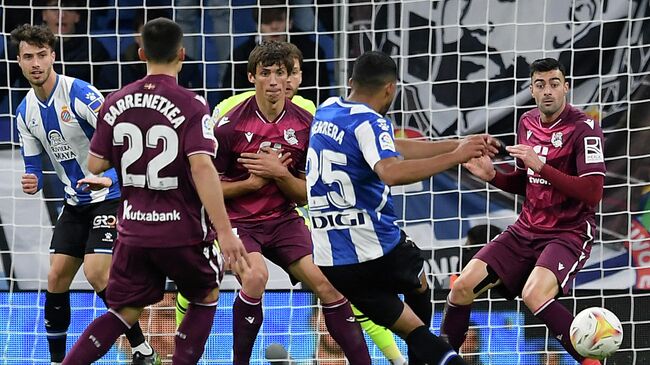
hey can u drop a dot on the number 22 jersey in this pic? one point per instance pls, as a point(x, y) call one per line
point(148, 130)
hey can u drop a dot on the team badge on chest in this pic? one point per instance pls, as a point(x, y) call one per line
point(290, 136)
point(556, 139)
point(66, 115)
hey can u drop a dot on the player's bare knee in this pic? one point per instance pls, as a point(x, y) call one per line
point(534, 298)
point(58, 281)
point(254, 281)
point(212, 297)
point(97, 278)
point(462, 292)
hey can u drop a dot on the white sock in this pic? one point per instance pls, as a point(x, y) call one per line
point(399, 361)
point(143, 348)
point(56, 363)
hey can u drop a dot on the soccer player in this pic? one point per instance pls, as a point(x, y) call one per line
point(382, 337)
point(352, 160)
point(159, 136)
point(560, 169)
point(262, 148)
point(58, 116)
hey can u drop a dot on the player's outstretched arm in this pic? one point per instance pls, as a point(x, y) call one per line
point(208, 186)
point(394, 171)
point(414, 149)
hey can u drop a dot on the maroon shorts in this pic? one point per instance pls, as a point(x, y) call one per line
point(513, 257)
point(138, 274)
point(282, 240)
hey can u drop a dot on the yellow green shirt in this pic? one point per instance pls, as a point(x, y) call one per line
point(226, 105)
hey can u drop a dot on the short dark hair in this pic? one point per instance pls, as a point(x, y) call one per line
point(270, 11)
point(161, 39)
point(295, 52)
point(482, 234)
point(270, 53)
point(35, 35)
point(545, 65)
point(373, 70)
point(139, 17)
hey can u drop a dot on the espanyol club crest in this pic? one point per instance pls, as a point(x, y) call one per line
point(290, 136)
point(556, 139)
point(66, 116)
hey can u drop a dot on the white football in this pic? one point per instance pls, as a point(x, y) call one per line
point(596, 333)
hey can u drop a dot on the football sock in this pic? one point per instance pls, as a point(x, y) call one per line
point(57, 321)
point(455, 322)
point(345, 330)
point(193, 333)
point(181, 308)
point(97, 339)
point(431, 349)
point(421, 305)
point(381, 336)
point(558, 320)
point(133, 334)
point(247, 319)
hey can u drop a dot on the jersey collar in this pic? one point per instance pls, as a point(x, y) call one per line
point(48, 101)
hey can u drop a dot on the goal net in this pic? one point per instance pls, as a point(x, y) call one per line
point(463, 69)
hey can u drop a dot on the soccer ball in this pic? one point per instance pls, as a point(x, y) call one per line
point(596, 333)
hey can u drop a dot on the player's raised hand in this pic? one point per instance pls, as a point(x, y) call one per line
point(470, 147)
point(268, 163)
point(481, 167)
point(527, 155)
point(233, 250)
point(94, 183)
point(29, 183)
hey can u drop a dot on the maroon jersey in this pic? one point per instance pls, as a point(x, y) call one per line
point(245, 129)
point(147, 130)
point(573, 144)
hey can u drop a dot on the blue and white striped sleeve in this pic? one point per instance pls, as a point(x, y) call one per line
point(376, 140)
point(31, 149)
point(87, 101)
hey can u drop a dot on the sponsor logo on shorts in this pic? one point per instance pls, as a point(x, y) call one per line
point(137, 215)
point(560, 267)
point(250, 319)
point(104, 221)
point(108, 237)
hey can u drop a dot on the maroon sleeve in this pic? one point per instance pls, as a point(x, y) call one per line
point(199, 135)
point(513, 182)
point(102, 141)
point(588, 189)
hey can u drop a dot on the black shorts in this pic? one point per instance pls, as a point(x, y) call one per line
point(373, 286)
point(86, 229)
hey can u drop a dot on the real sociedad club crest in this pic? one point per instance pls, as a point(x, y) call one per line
point(290, 136)
point(66, 116)
point(556, 139)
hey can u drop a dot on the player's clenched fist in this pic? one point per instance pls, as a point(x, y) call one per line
point(29, 183)
point(470, 147)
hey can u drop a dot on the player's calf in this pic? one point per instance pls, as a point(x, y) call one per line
point(57, 321)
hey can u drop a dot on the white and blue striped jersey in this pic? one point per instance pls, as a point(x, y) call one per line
point(351, 209)
point(62, 126)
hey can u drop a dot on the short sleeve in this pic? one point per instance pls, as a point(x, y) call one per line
point(589, 149)
point(87, 101)
point(101, 143)
point(199, 135)
point(376, 140)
